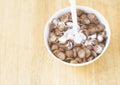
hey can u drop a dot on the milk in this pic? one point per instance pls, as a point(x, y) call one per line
point(74, 33)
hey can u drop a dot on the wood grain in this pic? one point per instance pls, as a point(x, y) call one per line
point(24, 60)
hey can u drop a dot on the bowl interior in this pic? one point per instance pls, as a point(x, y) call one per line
point(88, 10)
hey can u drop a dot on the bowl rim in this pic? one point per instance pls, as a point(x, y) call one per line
point(83, 8)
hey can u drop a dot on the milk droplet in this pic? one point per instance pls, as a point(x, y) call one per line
point(93, 36)
point(70, 24)
point(100, 38)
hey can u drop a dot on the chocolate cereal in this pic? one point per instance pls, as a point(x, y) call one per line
point(84, 50)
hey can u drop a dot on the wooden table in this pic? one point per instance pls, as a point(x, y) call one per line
point(24, 59)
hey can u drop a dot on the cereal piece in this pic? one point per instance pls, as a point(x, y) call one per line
point(63, 46)
point(89, 47)
point(84, 60)
point(83, 46)
point(73, 61)
point(69, 44)
point(69, 53)
point(79, 12)
point(58, 32)
point(81, 53)
point(52, 26)
point(102, 45)
point(78, 48)
point(68, 59)
point(54, 47)
point(84, 19)
point(75, 52)
point(104, 35)
point(61, 49)
point(93, 18)
point(87, 52)
point(55, 21)
point(77, 45)
point(79, 20)
point(95, 41)
point(64, 17)
point(51, 34)
point(56, 51)
point(98, 49)
point(61, 55)
point(69, 16)
point(49, 42)
point(53, 38)
point(101, 27)
point(86, 32)
point(61, 26)
point(83, 16)
point(83, 26)
point(90, 58)
point(94, 53)
point(79, 59)
point(70, 19)
point(93, 30)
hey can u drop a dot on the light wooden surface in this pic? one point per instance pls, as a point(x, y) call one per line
point(24, 60)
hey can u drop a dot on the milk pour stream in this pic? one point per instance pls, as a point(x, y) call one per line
point(74, 33)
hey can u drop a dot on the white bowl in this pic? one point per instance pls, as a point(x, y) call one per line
point(88, 10)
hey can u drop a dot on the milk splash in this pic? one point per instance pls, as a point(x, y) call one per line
point(74, 33)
